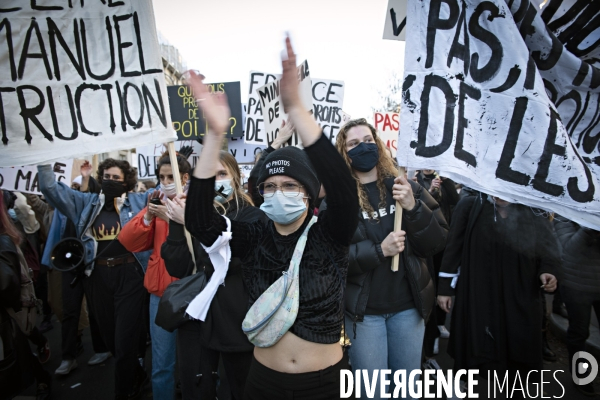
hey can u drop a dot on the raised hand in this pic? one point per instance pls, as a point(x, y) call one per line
point(285, 133)
point(86, 169)
point(290, 96)
point(213, 105)
point(176, 209)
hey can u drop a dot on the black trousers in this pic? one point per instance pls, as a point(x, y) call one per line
point(72, 298)
point(198, 366)
point(579, 309)
point(266, 384)
point(236, 365)
point(117, 295)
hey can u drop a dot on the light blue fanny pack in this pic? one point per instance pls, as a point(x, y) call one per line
point(275, 311)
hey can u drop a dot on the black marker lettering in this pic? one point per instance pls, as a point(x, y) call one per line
point(31, 113)
point(57, 132)
point(504, 171)
point(78, 94)
point(422, 149)
point(550, 149)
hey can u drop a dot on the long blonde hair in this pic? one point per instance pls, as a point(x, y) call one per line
point(385, 166)
point(230, 163)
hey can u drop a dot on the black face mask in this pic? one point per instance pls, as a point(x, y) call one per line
point(364, 156)
point(113, 189)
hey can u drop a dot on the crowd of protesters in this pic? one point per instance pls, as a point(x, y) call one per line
point(319, 221)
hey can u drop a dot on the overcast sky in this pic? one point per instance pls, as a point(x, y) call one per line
point(341, 39)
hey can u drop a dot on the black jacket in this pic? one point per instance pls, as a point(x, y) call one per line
point(498, 309)
point(447, 196)
point(221, 329)
point(580, 254)
point(426, 232)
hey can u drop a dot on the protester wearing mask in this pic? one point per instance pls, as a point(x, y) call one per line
point(304, 361)
point(19, 365)
point(497, 256)
point(116, 277)
point(386, 310)
point(148, 230)
point(285, 133)
point(580, 283)
point(201, 343)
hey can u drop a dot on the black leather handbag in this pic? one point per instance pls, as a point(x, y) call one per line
point(175, 300)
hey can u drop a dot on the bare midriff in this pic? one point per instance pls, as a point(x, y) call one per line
point(293, 355)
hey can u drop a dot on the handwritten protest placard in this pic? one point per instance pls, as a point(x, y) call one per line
point(254, 131)
point(484, 105)
point(272, 108)
point(244, 152)
point(188, 120)
point(388, 126)
point(148, 156)
point(245, 170)
point(79, 78)
point(328, 100)
point(25, 179)
point(395, 20)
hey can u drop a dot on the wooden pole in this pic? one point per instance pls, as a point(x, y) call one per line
point(94, 163)
point(398, 223)
point(179, 189)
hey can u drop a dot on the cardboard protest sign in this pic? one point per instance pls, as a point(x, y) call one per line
point(388, 126)
point(254, 131)
point(25, 179)
point(244, 152)
point(187, 118)
point(79, 78)
point(273, 114)
point(245, 170)
point(475, 104)
point(328, 100)
point(395, 20)
point(148, 156)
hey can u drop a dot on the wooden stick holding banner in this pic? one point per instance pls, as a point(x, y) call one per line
point(179, 190)
point(398, 223)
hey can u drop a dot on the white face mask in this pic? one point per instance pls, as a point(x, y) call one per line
point(169, 190)
point(224, 188)
point(283, 210)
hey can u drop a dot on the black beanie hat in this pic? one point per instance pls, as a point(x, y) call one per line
point(292, 162)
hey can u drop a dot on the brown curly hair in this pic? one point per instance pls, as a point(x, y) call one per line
point(385, 165)
point(128, 171)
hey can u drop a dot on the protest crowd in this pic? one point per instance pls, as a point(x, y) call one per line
point(329, 253)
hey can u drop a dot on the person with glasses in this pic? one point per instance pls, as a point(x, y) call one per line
point(115, 282)
point(305, 362)
point(202, 343)
point(386, 310)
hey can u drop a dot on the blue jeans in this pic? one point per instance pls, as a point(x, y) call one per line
point(163, 356)
point(388, 341)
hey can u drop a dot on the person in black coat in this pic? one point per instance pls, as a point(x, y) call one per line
point(580, 282)
point(385, 310)
point(497, 256)
point(19, 367)
point(201, 343)
point(443, 190)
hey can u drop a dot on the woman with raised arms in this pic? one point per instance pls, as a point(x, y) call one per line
point(305, 362)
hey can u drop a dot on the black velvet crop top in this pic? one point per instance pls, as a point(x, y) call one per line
point(265, 254)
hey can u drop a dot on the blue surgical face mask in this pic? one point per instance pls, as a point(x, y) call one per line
point(223, 187)
point(283, 210)
point(364, 156)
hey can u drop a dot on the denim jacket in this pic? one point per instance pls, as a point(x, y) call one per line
point(83, 208)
